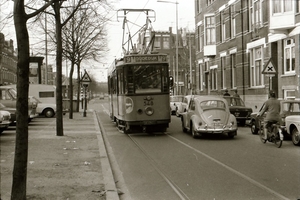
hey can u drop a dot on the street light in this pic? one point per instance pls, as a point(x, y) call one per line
point(176, 45)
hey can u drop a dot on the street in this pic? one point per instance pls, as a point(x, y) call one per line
point(173, 165)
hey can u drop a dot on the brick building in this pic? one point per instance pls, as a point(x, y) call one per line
point(8, 62)
point(237, 39)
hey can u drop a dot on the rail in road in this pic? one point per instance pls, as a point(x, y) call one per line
point(165, 166)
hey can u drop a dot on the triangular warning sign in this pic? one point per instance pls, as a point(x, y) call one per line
point(269, 68)
point(86, 78)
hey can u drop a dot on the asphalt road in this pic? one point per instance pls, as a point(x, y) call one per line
point(173, 165)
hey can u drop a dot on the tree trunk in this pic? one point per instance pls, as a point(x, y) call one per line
point(71, 90)
point(59, 113)
point(21, 144)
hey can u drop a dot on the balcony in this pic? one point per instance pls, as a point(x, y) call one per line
point(210, 50)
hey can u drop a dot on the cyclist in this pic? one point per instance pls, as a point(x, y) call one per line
point(272, 107)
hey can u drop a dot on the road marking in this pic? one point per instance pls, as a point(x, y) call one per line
point(232, 170)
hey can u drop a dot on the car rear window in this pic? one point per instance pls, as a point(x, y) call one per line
point(212, 104)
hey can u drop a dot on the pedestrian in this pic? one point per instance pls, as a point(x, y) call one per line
point(235, 94)
point(226, 93)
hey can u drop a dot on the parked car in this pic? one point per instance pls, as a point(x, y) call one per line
point(209, 115)
point(292, 124)
point(4, 120)
point(238, 109)
point(12, 111)
point(101, 96)
point(181, 106)
point(174, 101)
point(8, 97)
point(288, 108)
point(44, 109)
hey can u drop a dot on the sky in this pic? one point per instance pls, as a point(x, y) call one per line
point(165, 14)
point(165, 18)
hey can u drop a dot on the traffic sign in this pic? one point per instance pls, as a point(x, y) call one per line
point(85, 78)
point(269, 68)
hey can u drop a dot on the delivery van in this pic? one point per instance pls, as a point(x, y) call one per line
point(44, 93)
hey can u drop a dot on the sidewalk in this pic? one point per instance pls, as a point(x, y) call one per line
point(74, 166)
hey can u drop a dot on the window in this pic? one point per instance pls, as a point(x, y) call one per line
point(289, 94)
point(213, 78)
point(166, 43)
point(255, 14)
point(256, 67)
point(223, 27)
point(281, 6)
point(289, 56)
point(157, 42)
point(46, 94)
point(223, 75)
point(200, 39)
point(233, 70)
point(232, 21)
point(201, 77)
point(210, 30)
point(198, 6)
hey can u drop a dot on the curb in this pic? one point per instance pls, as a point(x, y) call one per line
point(108, 178)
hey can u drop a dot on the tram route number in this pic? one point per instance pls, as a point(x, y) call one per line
point(148, 103)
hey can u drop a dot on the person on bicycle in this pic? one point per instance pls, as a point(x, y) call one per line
point(272, 107)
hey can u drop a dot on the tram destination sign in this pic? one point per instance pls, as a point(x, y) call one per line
point(145, 58)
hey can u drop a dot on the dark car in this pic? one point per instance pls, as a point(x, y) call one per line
point(238, 109)
point(288, 107)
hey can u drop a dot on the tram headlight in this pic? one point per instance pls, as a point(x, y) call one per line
point(149, 111)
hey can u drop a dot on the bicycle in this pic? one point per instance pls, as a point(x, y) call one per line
point(274, 134)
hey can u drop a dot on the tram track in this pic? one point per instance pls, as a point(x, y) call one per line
point(174, 187)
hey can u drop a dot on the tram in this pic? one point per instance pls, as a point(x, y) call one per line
point(138, 87)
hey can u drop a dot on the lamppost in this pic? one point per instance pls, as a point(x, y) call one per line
point(176, 45)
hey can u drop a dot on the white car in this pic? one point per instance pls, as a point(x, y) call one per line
point(4, 120)
point(182, 106)
point(174, 102)
point(292, 124)
point(45, 109)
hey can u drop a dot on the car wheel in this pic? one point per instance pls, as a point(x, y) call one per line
point(231, 134)
point(49, 112)
point(194, 134)
point(296, 137)
point(182, 125)
point(254, 129)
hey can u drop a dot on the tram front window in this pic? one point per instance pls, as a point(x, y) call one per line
point(147, 78)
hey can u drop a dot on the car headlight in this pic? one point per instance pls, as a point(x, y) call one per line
point(149, 111)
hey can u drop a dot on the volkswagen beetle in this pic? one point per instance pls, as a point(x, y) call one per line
point(209, 115)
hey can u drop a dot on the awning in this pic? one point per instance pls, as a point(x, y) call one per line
point(276, 37)
point(295, 31)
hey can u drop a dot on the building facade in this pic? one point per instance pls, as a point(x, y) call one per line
point(165, 42)
point(249, 46)
point(8, 65)
point(8, 62)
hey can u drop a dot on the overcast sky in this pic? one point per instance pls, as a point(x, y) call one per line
point(165, 18)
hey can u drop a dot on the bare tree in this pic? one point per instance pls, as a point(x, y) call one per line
point(84, 38)
point(21, 146)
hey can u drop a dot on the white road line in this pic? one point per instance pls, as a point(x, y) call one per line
point(232, 170)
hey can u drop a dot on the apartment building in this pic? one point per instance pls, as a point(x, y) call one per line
point(249, 46)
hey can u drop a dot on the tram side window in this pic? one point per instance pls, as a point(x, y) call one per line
point(120, 81)
point(165, 79)
point(128, 79)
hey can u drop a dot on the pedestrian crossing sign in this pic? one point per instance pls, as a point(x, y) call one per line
point(269, 68)
point(85, 78)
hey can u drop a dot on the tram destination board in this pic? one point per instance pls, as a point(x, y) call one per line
point(145, 58)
